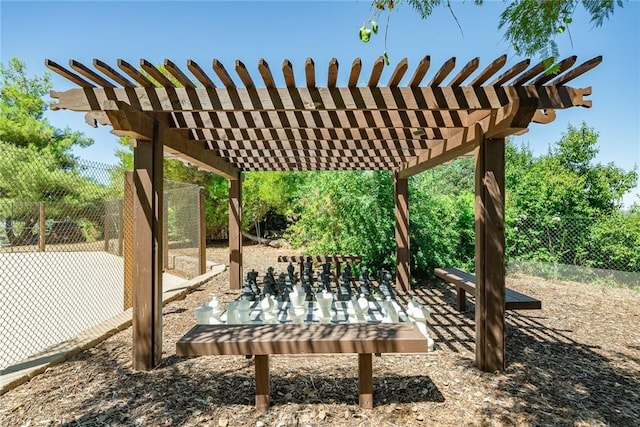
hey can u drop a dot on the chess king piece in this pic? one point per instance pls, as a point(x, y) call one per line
point(364, 282)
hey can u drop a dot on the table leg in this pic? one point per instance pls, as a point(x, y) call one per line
point(365, 380)
point(462, 299)
point(262, 382)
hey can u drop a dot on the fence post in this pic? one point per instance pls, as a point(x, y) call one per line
point(202, 233)
point(42, 229)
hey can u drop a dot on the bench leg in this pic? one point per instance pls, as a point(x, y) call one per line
point(262, 382)
point(365, 380)
point(462, 299)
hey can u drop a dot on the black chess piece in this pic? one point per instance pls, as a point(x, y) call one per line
point(344, 288)
point(386, 284)
point(253, 279)
point(269, 283)
point(247, 291)
point(364, 282)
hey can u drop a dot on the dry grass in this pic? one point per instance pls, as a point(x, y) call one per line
point(575, 362)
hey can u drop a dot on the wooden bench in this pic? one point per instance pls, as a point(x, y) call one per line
point(337, 259)
point(466, 282)
point(264, 340)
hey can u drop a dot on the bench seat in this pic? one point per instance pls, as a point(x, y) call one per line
point(264, 340)
point(466, 282)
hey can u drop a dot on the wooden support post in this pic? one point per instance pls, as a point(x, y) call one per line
point(235, 232)
point(41, 227)
point(126, 239)
point(365, 380)
point(202, 233)
point(262, 382)
point(403, 257)
point(147, 250)
point(490, 268)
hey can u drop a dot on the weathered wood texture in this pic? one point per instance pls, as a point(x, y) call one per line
point(466, 282)
point(202, 233)
point(490, 267)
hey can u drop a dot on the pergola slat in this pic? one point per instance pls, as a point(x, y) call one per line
point(287, 72)
point(72, 77)
point(111, 73)
point(443, 72)
point(489, 71)
point(510, 73)
point(177, 73)
point(223, 75)
point(563, 65)
point(244, 75)
point(199, 74)
point(398, 73)
point(265, 72)
point(577, 72)
point(332, 76)
point(531, 73)
point(354, 75)
point(465, 72)
point(90, 74)
point(376, 72)
point(155, 73)
point(310, 73)
point(136, 75)
point(420, 72)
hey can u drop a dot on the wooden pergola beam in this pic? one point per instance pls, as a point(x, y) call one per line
point(128, 122)
point(171, 99)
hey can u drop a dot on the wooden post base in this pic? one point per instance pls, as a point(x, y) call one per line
point(365, 380)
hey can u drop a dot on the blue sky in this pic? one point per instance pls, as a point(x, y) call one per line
point(295, 30)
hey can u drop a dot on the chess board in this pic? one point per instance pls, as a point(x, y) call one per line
point(341, 312)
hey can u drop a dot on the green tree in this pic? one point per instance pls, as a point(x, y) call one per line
point(530, 26)
point(36, 163)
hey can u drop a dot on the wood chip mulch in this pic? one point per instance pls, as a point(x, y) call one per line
point(575, 362)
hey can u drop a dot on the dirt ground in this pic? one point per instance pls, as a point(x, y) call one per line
point(575, 362)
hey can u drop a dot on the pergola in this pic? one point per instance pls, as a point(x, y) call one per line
point(320, 126)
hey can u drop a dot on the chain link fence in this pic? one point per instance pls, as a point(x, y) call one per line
point(63, 237)
point(584, 249)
